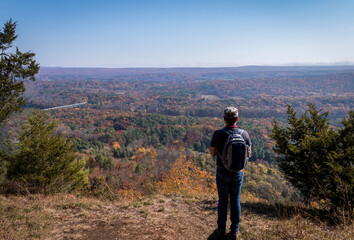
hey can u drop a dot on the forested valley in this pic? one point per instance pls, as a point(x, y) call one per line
point(138, 122)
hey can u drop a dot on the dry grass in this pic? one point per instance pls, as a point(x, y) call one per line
point(295, 227)
point(23, 218)
point(159, 217)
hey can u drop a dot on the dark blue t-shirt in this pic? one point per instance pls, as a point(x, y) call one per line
point(218, 141)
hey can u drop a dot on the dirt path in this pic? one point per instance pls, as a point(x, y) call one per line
point(155, 218)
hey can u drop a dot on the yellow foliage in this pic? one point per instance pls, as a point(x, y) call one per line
point(262, 169)
point(129, 195)
point(115, 145)
point(133, 165)
point(186, 178)
point(141, 150)
point(153, 155)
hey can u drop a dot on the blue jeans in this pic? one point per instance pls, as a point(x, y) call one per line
point(229, 184)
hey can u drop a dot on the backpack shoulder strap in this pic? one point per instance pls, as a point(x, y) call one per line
point(240, 131)
point(228, 131)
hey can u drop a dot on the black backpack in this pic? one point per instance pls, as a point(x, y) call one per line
point(234, 157)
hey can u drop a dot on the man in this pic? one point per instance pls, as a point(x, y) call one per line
point(228, 183)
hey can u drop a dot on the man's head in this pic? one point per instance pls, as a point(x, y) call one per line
point(230, 115)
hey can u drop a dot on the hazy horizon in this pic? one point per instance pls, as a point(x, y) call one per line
point(349, 64)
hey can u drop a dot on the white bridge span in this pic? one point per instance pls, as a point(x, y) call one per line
point(65, 106)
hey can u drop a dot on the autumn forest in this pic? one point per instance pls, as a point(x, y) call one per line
point(136, 125)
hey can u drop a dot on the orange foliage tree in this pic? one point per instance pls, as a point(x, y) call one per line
point(187, 178)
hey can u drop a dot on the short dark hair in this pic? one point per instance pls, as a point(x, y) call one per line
point(231, 121)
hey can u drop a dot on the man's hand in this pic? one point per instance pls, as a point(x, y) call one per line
point(212, 151)
point(249, 152)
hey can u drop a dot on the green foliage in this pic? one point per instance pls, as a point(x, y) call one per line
point(316, 159)
point(155, 129)
point(122, 152)
point(15, 68)
point(104, 161)
point(259, 150)
point(45, 162)
point(82, 145)
point(267, 183)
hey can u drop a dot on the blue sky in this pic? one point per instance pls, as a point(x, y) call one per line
point(164, 33)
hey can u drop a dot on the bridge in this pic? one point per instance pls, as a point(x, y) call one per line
point(65, 106)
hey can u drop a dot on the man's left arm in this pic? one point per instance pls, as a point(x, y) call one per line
point(249, 143)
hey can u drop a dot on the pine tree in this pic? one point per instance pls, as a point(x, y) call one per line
point(15, 68)
point(45, 162)
point(341, 163)
point(316, 159)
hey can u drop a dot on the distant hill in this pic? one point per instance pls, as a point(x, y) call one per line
point(110, 72)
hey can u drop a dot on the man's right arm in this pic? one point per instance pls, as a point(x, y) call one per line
point(212, 148)
point(212, 151)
